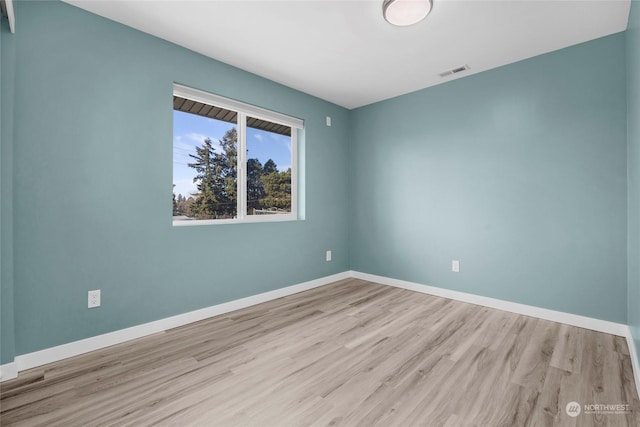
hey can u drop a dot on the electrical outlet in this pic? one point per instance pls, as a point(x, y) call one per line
point(455, 266)
point(328, 256)
point(94, 298)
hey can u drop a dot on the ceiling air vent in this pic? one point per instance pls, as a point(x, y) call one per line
point(454, 70)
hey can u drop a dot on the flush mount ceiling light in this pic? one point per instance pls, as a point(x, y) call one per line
point(405, 12)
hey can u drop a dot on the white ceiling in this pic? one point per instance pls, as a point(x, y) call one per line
point(344, 52)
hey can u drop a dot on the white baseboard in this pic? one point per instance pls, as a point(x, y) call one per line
point(513, 307)
point(53, 354)
point(635, 362)
point(8, 371)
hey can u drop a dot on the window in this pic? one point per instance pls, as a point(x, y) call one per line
point(232, 162)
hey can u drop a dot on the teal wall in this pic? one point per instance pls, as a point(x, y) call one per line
point(7, 75)
point(92, 183)
point(633, 135)
point(518, 172)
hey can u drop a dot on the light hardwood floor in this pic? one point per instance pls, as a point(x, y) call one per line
point(350, 353)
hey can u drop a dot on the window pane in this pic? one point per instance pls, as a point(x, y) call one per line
point(268, 168)
point(205, 153)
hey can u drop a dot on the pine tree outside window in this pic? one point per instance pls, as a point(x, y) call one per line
point(232, 162)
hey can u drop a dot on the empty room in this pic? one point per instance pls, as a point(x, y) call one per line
point(320, 212)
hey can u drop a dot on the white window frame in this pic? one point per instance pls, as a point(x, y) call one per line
point(246, 110)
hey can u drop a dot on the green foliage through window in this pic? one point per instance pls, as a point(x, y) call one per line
point(208, 182)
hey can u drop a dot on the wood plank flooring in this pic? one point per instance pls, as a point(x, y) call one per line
point(352, 353)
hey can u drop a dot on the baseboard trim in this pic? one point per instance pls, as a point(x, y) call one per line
point(75, 348)
point(38, 358)
point(635, 362)
point(527, 310)
point(8, 371)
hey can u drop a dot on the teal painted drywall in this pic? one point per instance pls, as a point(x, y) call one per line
point(7, 76)
point(633, 135)
point(93, 175)
point(518, 172)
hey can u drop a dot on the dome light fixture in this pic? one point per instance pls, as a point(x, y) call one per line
point(405, 12)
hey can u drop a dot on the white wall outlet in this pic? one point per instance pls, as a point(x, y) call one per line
point(455, 266)
point(328, 256)
point(94, 298)
point(328, 120)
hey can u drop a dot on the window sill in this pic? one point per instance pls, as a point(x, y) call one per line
point(248, 220)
